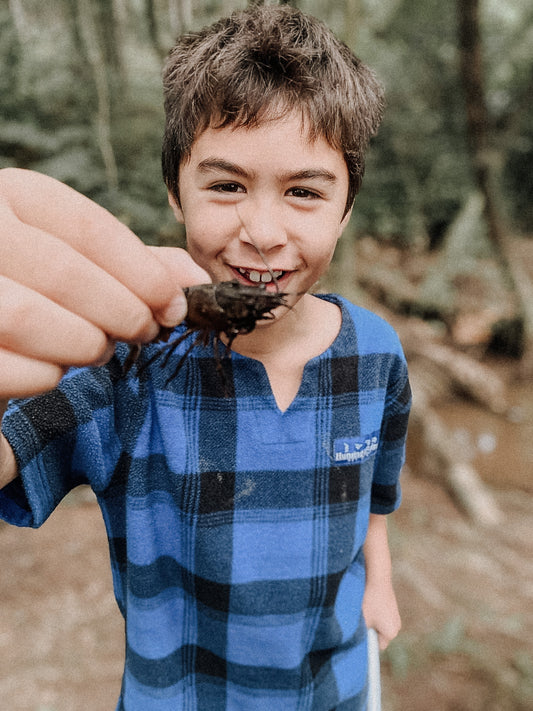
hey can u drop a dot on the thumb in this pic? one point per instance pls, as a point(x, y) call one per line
point(185, 272)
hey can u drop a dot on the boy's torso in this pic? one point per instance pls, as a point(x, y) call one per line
point(235, 528)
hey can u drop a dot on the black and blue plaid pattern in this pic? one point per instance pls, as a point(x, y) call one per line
point(235, 529)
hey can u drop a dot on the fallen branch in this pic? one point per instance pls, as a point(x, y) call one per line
point(390, 288)
point(439, 458)
point(468, 375)
point(457, 370)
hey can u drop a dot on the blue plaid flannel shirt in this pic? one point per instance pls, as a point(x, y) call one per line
point(235, 529)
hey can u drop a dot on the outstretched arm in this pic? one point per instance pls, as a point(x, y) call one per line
point(73, 279)
point(380, 608)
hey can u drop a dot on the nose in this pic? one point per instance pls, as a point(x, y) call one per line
point(262, 225)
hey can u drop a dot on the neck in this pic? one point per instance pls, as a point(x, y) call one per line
point(302, 333)
point(288, 330)
point(285, 346)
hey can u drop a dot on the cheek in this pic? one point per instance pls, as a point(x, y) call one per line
point(321, 252)
point(198, 250)
point(201, 236)
point(205, 247)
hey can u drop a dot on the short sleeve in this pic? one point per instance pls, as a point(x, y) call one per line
point(386, 490)
point(51, 435)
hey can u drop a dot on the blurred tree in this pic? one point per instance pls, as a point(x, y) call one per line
point(100, 57)
point(419, 170)
point(487, 159)
point(153, 29)
point(54, 91)
point(181, 12)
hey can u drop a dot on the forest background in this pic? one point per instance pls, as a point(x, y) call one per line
point(81, 100)
point(439, 243)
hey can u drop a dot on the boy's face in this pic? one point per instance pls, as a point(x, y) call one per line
point(267, 187)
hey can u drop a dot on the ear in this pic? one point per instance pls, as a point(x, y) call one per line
point(176, 208)
point(345, 221)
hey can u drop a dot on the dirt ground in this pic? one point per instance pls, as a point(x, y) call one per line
point(466, 596)
point(61, 635)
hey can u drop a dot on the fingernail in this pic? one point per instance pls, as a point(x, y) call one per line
point(107, 354)
point(175, 312)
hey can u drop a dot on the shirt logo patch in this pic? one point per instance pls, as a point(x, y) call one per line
point(355, 449)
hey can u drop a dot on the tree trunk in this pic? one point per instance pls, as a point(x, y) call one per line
point(181, 14)
point(20, 21)
point(153, 29)
point(96, 59)
point(109, 29)
point(352, 19)
point(485, 160)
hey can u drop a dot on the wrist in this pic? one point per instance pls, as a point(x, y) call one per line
point(8, 464)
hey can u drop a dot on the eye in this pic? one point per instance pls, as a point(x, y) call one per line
point(227, 188)
point(303, 193)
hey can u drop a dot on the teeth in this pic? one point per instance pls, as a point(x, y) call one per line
point(260, 277)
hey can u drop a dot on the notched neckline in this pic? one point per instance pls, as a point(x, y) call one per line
point(311, 364)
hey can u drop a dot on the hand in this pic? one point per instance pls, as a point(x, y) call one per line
point(73, 279)
point(380, 610)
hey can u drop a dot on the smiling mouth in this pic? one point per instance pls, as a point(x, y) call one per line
point(260, 277)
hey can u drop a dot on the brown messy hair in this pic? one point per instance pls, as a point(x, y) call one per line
point(260, 64)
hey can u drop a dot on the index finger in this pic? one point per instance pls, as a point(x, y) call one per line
point(185, 272)
point(45, 203)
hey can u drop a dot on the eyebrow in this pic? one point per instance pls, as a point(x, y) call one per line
point(211, 165)
point(220, 164)
point(312, 173)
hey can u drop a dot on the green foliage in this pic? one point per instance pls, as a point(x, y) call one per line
point(419, 166)
point(418, 170)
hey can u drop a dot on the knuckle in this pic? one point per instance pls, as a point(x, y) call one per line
point(94, 346)
point(16, 311)
point(140, 324)
point(24, 377)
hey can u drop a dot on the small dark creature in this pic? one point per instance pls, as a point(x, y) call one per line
point(228, 308)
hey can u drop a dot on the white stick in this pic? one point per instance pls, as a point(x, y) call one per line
point(374, 676)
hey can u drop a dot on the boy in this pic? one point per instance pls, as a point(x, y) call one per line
point(242, 516)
